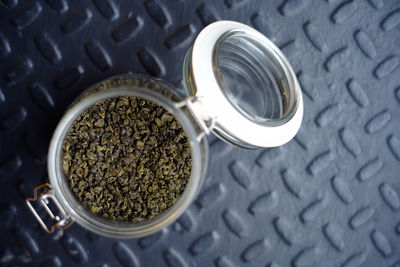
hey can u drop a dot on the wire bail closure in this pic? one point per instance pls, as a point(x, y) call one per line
point(60, 222)
point(206, 126)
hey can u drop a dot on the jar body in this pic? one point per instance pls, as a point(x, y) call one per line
point(127, 85)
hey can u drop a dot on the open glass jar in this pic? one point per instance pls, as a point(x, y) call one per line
point(239, 86)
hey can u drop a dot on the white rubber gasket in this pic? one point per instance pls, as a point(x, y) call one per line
point(211, 103)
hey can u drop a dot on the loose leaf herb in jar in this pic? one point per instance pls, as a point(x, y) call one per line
point(126, 159)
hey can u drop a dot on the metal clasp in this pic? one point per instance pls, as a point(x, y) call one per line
point(206, 126)
point(61, 221)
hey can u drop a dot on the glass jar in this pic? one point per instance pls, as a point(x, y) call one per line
point(239, 86)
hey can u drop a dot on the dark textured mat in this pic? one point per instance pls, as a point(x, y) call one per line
point(328, 198)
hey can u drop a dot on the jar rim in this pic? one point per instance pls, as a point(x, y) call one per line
point(81, 214)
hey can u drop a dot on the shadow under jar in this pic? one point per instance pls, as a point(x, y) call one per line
point(239, 86)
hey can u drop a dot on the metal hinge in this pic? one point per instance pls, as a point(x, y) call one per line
point(206, 126)
point(61, 221)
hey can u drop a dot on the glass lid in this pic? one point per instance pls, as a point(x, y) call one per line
point(243, 86)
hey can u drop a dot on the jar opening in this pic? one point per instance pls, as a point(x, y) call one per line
point(131, 85)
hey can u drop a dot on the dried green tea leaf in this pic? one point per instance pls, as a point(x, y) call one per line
point(126, 159)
